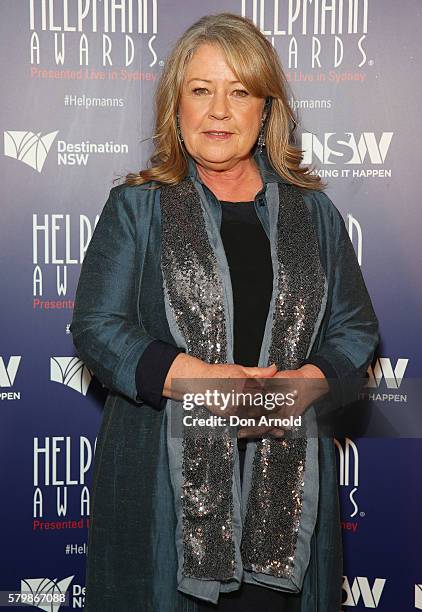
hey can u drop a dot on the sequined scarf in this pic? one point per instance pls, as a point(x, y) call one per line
point(268, 539)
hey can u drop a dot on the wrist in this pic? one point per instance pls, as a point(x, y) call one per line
point(311, 371)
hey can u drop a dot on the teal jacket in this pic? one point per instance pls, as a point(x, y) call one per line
point(119, 312)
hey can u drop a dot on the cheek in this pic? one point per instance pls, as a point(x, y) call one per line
point(191, 119)
point(251, 123)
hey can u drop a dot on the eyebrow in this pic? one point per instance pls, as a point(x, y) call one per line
point(208, 81)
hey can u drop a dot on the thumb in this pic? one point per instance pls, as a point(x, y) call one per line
point(266, 370)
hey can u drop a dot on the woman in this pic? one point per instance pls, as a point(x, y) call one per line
point(224, 259)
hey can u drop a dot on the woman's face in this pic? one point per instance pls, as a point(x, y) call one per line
point(212, 100)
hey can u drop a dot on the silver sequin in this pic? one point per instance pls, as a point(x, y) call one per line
point(196, 295)
point(275, 498)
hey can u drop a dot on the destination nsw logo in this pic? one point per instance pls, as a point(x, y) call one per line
point(32, 149)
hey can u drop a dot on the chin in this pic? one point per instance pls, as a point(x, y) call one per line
point(220, 163)
point(217, 159)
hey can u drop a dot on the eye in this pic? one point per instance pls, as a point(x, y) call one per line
point(197, 91)
point(242, 91)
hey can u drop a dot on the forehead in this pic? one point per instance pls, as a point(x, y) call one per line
point(208, 62)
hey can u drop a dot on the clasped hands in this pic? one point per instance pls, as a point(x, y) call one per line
point(305, 384)
point(302, 386)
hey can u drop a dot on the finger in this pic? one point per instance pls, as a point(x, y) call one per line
point(263, 372)
point(276, 432)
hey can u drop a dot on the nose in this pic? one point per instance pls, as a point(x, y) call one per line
point(219, 107)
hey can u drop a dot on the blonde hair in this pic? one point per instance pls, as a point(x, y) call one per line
point(256, 64)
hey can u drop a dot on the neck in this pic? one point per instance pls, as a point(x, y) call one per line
point(242, 182)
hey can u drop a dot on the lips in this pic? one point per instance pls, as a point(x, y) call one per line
point(214, 135)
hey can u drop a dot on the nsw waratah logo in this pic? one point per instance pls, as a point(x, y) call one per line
point(418, 596)
point(8, 372)
point(46, 594)
point(360, 590)
point(70, 371)
point(29, 148)
point(383, 372)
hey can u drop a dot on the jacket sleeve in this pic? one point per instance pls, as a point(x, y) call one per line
point(105, 328)
point(351, 335)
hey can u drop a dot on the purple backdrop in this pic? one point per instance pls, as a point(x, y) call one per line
point(77, 100)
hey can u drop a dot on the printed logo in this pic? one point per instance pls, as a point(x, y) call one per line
point(29, 148)
point(344, 463)
point(32, 149)
point(8, 373)
point(302, 31)
point(361, 589)
point(73, 32)
point(59, 242)
point(47, 594)
point(337, 152)
point(348, 475)
point(383, 369)
point(70, 371)
point(383, 375)
point(352, 150)
point(418, 596)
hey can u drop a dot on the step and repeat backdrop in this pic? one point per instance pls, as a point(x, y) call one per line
point(78, 84)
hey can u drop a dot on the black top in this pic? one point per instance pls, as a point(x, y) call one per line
point(248, 255)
